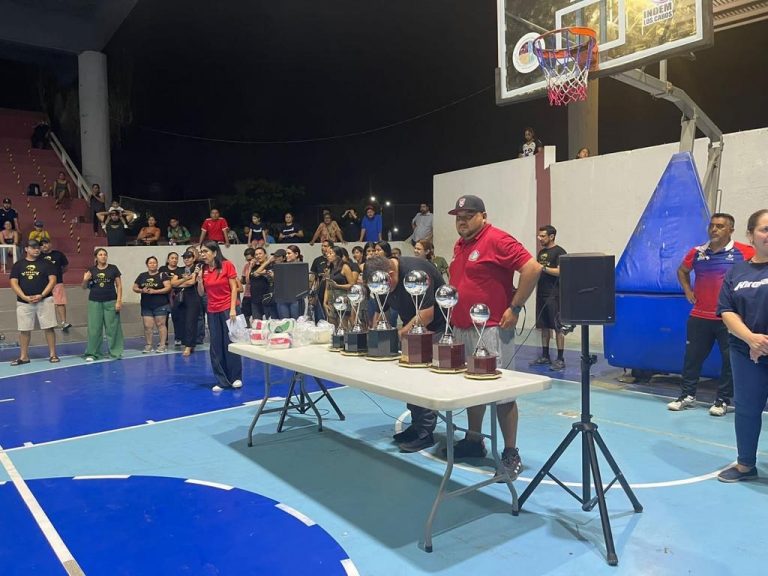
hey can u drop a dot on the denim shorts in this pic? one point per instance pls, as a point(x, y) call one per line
point(163, 310)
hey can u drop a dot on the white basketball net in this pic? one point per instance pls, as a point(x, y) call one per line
point(565, 69)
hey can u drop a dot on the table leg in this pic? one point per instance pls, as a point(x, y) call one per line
point(306, 395)
point(287, 403)
point(443, 483)
point(267, 387)
point(327, 394)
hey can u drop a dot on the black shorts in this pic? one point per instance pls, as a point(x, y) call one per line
point(548, 312)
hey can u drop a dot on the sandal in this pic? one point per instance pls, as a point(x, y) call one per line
point(54, 359)
point(19, 362)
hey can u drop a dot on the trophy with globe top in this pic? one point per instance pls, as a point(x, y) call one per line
point(417, 344)
point(356, 338)
point(341, 305)
point(383, 341)
point(482, 364)
point(447, 354)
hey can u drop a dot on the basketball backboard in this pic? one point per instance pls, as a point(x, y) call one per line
point(630, 33)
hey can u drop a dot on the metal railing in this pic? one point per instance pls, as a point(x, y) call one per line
point(83, 188)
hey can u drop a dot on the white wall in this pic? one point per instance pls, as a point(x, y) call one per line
point(596, 202)
point(508, 190)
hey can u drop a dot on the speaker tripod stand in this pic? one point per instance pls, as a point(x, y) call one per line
point(590, 468)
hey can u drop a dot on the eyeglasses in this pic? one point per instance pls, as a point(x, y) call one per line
point(466, 217)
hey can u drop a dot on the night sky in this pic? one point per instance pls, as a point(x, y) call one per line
point(269, 71)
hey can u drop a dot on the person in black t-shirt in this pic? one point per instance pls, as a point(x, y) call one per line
point(32, 280)
point(419, 434)
point(350, 224)
point(259, 280)
point(172, 272)
point(115, 229)
point(317, 276)
point(188, 302)
point(154, 287)
point(59, 262)
point(531, 145)
point(548, 298)
point(257, 232)
point(290, 231)
point(105, 299)
point(8, 214)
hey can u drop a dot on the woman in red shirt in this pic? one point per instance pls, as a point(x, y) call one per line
point(219, 282)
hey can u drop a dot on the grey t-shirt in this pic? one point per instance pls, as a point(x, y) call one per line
point(423, 223)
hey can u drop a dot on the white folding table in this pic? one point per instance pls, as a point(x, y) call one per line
point(442, 392)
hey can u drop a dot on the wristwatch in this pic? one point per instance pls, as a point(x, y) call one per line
point(516, 310)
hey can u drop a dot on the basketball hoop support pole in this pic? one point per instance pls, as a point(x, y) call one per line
point(693, 118)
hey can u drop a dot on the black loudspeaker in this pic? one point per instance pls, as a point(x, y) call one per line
point(291, 281)
point(587, 289)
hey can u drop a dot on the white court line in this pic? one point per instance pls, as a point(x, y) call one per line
point(102, 477)
point(349, 567)
point(28, 444)
point(6, 400)
point(178, 419)
point(209, 484)
point(46, 526)
point(644, 485)
point(295, 513)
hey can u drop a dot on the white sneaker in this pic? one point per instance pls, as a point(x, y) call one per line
point(217, 388)
point(682, 403)
point(147, 349)
point(92, 359)
point(721, 407)
point(237, 384)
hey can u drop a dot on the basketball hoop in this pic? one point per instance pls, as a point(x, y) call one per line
point(566, 56)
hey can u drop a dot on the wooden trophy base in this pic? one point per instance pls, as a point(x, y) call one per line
point(482, 368)
point(417, 350)
point(355, 344)
point(383, 345)
point(448, 359)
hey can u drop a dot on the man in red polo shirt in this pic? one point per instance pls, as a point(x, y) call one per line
point(485, 259)
point(215, 228)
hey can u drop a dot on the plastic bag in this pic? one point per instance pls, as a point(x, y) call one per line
point(279, 341)
point(258, 337)
point(321, 334)
point(238, 330)
point(281, 325)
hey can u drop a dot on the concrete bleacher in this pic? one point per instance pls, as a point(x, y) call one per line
point(70, 224)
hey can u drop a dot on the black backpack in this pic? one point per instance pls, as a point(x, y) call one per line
point(33, 190)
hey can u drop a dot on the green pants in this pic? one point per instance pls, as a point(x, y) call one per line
point(103, 320)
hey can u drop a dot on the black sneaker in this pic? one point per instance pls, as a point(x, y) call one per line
point(406, 435)
point(65, 326)
point(541, 361)
point(418, 444)
point(510, 459)
point(468, 449)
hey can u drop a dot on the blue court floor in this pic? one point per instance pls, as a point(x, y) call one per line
point(134, 467)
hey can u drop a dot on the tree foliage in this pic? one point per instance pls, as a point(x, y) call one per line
point(269, 198)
